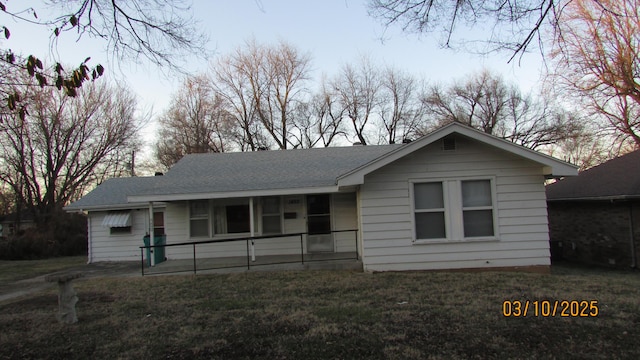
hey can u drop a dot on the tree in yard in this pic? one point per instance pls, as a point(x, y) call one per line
point(195, 122)
point(319, 121)
point(597, 60)
point(63, 145)
point(155, 30)
point(487, 103)
point(231, 82)
point(512, 25)
point(401, 109)
point(358, 90)
point(266, 81)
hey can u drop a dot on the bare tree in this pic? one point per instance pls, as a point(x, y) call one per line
point(319, 121)
point(358, 91)
point(401, 109)
point(512, 25)
point(231, 83)
point(64, 145)
point(266, 83)
point(487, 103)
point(159, 31)
point(195, 122)
point(598, 61)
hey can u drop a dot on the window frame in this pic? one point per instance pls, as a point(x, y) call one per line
point(454, 209)
point(206, 217)
point(264, 214)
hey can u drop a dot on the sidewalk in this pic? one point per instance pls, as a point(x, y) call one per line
point(29, 286)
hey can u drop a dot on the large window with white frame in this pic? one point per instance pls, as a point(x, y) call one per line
point(453, 209)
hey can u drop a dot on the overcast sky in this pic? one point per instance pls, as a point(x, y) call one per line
point(333, 32)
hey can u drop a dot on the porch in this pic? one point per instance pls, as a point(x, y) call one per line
point(211, 257)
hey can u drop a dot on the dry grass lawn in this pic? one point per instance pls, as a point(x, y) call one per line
point(329, 315)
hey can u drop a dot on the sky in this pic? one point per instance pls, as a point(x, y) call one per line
point(332, 32)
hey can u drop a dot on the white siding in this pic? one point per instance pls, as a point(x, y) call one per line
point(120, 247)
point(386, 215)
point(344, 218)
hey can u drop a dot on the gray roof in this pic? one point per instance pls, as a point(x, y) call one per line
point(238, 172)
point(615, 179)
point(112, 193)
point(264, 170)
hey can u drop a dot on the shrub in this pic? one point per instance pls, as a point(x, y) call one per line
point(62, 235)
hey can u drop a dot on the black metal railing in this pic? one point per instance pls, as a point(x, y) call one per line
point(250, 242)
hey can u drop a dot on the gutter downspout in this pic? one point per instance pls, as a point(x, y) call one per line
point(151, 234)
point(634, 260)
point(252, 230)
point(90, 252)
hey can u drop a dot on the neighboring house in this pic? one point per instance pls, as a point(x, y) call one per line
point(456, 198)
point(595, 217)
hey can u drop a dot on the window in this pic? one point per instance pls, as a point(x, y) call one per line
point(118, 222)
point(453, 210)
point(271, 216)
point(199, 218)
point(429, 211)
point(158, 223)
point(120, 230)
point(477, 208)
point(231, 218)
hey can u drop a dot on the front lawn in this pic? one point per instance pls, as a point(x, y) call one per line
point(329, 315)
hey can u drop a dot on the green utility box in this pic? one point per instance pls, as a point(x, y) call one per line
point(158, 252)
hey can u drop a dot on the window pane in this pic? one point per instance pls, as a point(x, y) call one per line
point(430, 225)
point(476, 193)
point(478, 223)
point(198, 208)
point(199, 228)
point(271, 205)
point(428, 195)
point(238, 219)
point(319, 224)
point(271, 224)
point(318, 204)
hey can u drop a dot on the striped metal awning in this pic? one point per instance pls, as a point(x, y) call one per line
point(117, 219)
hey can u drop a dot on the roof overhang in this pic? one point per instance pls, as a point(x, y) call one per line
point(552, 167)
point(128, 206)
point(233, 194)
point(611, 198)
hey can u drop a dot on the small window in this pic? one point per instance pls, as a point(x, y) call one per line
point(158, 223)
point(199, 218)
point(118, 222)
point(271, 216)
point(120, 230)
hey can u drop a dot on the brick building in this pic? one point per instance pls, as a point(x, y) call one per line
point(594, 218)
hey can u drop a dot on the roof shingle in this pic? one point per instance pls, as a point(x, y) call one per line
point(615, 179)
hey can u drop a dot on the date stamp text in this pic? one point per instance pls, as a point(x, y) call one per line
point(550, 308)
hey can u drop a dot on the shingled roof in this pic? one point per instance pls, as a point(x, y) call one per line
point(112, 194)
point(201, 175)
point(615, 179)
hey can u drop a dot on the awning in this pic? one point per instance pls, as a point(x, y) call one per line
point(117, 219)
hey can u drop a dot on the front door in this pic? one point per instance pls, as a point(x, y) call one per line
point(319, 238)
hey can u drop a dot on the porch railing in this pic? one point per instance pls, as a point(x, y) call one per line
point(250, 242)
